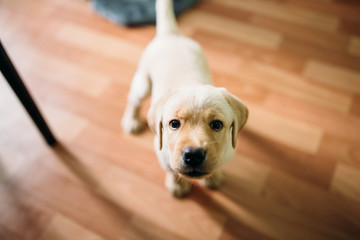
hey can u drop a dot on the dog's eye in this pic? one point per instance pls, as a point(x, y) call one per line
point(174, 124)
point(216, 125)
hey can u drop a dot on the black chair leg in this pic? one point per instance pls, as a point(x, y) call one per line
point(14, 80)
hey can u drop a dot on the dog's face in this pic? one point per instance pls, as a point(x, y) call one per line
point(197, 128)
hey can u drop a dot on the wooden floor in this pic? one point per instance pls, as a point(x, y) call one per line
point(296, 174)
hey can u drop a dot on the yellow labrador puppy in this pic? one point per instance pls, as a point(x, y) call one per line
point(196, 124)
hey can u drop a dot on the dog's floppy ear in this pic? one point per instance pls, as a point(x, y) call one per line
point(154, 117)
point(240, 114)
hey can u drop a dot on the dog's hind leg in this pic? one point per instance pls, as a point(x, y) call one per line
point(140, 88)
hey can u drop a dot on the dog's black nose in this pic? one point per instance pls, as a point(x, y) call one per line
point(193, 156)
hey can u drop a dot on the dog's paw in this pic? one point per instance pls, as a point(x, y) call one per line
point(214, 181)
point(133, 125)
point(179, 190)
point(177, 186)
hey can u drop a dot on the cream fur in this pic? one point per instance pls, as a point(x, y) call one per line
point(174, 70)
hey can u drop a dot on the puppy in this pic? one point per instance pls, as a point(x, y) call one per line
point(196, 125)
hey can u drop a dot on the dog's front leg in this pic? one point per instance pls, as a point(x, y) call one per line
point(214, 181)
point(177, 185)
point(140, 88)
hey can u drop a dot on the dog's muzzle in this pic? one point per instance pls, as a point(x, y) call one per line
point(193, 158)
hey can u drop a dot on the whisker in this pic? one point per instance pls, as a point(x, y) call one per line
point(213, 142)
point(178, 178)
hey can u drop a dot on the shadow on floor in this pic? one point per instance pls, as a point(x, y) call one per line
point(83, 173)
point(75, 165)
point(17, 216)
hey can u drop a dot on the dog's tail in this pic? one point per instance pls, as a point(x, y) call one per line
point(165, 18)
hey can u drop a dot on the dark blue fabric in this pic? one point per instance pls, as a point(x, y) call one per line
point(134, 12)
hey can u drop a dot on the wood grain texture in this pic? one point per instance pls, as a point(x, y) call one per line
point(333, 76)
point(90, 40)
point(354, 46)
point(288, 13)
point(234, 29)
point(296, 171)
point(62, 228)
point(293, 85)
point(287, 131)
point(342, 183)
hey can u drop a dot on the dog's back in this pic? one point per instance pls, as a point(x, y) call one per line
point(172, 56)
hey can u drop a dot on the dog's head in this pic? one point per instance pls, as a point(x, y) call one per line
point(196, 128)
